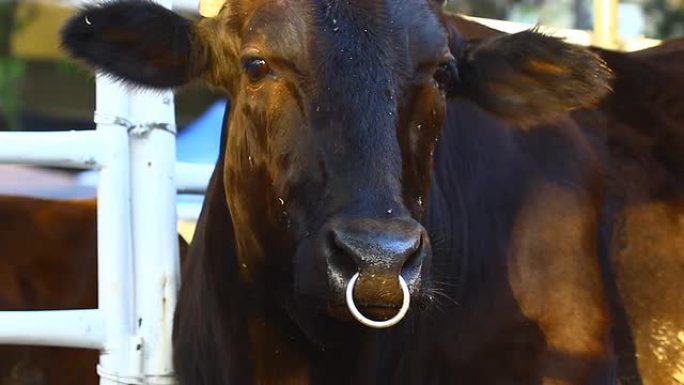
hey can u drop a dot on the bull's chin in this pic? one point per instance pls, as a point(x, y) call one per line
point(374, 312)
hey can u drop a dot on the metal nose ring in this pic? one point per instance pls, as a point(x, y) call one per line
point(349, 296)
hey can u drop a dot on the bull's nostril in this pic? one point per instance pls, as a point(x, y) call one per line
point(391, 246)
point(413, 264)
point(340, 257)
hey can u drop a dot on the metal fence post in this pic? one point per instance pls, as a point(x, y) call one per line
point(155, 239)
point(115, 270)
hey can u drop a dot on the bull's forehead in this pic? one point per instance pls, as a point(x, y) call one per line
point(347, 37)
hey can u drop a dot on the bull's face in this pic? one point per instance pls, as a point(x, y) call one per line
point(336, 108)
point(334, 120)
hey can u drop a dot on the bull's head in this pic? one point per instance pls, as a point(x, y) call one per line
point(336, 107)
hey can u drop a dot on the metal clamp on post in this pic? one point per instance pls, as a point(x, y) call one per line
point(141, 130)
point(101, 118)
point(130, 372)
point(119, 378)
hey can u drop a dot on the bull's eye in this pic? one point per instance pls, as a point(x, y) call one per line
point(446, 76)
point(256, 68)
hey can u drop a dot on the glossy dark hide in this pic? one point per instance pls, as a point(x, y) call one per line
point(644, 123)
point(484, 172)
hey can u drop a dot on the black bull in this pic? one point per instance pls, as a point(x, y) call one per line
point(382, 153)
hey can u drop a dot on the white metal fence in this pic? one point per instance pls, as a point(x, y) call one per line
point(133, 148)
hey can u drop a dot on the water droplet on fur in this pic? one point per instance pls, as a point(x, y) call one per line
point(286, 218)
point(318, 108)
point(420, 200)
point(334, 21)
point(87, 20)
point(388, 94)
point(389, 212)
point(419, 127)
point(336, 29)
point(251, 161)
point(244, 265)
point(282, 201)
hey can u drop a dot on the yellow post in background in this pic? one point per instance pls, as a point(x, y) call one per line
point(605, 23)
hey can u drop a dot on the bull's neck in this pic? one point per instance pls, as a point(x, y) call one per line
point(275, 357)
point(259, 222)
point(275, 347)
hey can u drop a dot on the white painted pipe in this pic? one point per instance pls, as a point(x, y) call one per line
point(76, 149)
point(72, 328)
point(155, 239)
point(115, 270)
point(189, 211)
point(193, 177)
point(190, 177)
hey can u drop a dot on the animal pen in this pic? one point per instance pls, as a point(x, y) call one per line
point(133, 148)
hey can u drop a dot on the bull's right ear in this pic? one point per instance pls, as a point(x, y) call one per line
point(137, 41)
point(529, 78)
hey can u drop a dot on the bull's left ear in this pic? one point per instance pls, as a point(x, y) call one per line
point(529, 78)
point(137, 41)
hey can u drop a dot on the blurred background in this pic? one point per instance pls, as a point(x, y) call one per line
point(657, 19)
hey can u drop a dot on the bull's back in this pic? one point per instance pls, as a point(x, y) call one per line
point(647, 266)
point(648, 263)
point(644, 122)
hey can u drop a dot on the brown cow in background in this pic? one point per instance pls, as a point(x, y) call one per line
point(48, 261)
